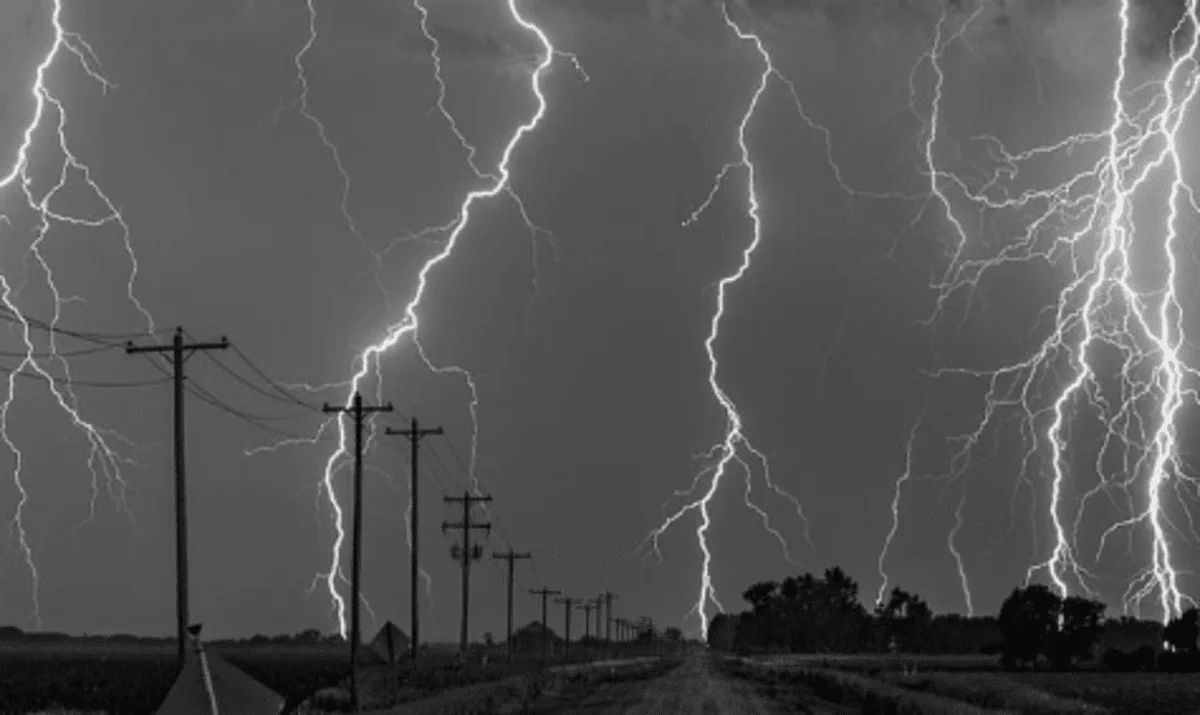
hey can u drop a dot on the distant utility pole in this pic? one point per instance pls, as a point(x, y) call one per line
point(177, 348)
point(568, 603)
point(599, 612)
point(587, 616)
point(511, 558)
point(544, 593)
point(359, 412)
point(608, 599)
point(414, 434)
point(467, 555)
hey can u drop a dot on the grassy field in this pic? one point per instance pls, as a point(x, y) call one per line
point(132, 678)
point(1124, 693)
point(978, 682)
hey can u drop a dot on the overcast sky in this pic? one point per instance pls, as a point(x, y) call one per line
point(586, 341)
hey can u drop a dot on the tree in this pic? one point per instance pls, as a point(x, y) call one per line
point(1028, 618)
point(672, 635)
point(759, 595)
point(903, 619)
point(722, 631)
point(1182, 633)
point(1078, 630)
point(488, 640)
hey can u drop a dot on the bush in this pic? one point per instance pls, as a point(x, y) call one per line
point(1119, 661)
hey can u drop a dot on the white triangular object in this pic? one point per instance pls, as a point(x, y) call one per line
point(210, 685)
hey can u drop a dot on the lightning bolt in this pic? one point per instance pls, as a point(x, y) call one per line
point(105, 457)
point(499, 181)
point(900, 482)
point(735, 447)
point(1085, 225)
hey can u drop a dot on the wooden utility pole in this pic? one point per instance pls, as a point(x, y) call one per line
point(568, 603)
point(468, 554)
point(599, 612)
point(608, 599)
point(414, 434)
point(511, 557)
point(586, 606)
point(358, 411)
point(177, 348)
point(544, 593)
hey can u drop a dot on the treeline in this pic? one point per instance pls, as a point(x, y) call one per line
point(310, 636)
point(1035, 627)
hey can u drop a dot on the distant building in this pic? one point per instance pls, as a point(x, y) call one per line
point(209, 685)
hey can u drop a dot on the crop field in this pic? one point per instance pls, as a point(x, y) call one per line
point(869, 662)
point(1123, 693)
point(952, 679)
point(132, 679)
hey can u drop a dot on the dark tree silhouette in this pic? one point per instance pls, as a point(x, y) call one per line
point(759, 595)
point(903, 620)
point(1077, 631)
point(1181, 633)
point(1028, 618)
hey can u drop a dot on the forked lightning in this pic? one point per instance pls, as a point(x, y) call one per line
point(108, 450)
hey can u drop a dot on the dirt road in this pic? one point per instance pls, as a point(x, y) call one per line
point(696, 687)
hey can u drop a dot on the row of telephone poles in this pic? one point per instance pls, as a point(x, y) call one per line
point(178, 352)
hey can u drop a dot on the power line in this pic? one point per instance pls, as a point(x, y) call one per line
point(93, 337)
point(58, 353)
point(265, 393)
point(80, 383)
point(249, 419)
point(261, 373)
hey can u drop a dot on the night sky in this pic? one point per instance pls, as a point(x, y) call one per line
point(586, 340)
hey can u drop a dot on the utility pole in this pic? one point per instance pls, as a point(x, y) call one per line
point(511, 558)
point(177, 348)
point(587, 617)
point(544, 593)
point(414, 434)
point(608, 599)
point(567, 603)
point(467, 554)
point(599, 612)
point(358, 411)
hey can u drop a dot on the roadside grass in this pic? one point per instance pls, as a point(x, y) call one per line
point(872, 696)
point(991, 690)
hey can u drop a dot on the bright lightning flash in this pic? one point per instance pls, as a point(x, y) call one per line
point(736, 446)
point(50, 115)
point(498, 182)
point(1106, 312)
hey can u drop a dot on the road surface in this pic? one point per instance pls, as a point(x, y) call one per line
point(696, 687)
